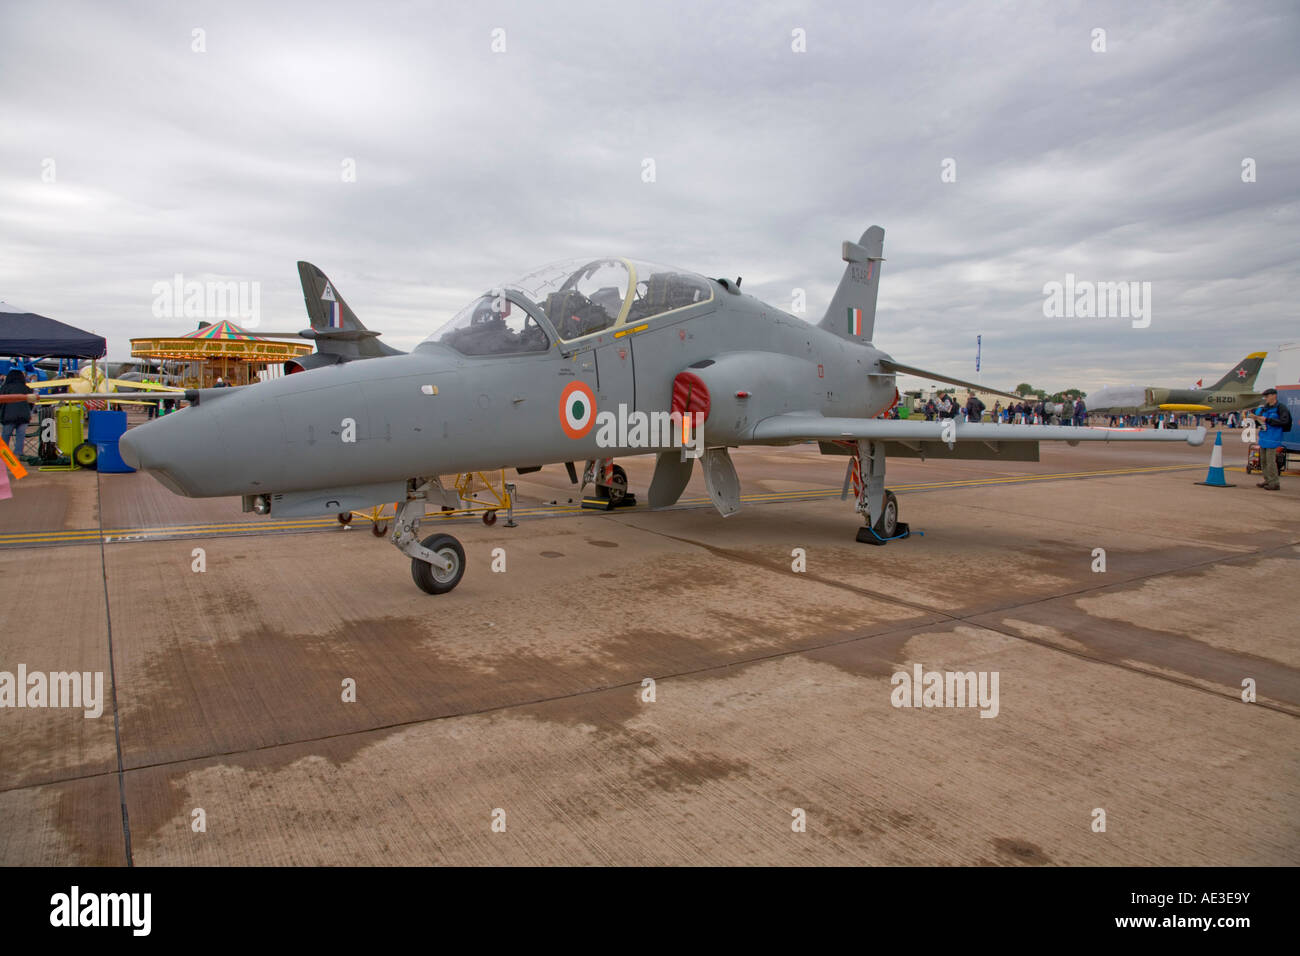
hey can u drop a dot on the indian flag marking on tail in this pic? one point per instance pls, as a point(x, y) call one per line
point(855, 321)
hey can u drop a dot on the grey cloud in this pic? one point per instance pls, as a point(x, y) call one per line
point(474, 167)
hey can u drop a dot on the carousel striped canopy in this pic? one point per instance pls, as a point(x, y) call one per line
point(223, 330)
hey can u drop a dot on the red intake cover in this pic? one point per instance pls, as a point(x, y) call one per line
point(690, 394)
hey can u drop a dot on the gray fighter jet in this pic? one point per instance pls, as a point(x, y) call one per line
point(579, 361)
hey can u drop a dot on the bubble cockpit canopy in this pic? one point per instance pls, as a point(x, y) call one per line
point(578, 297)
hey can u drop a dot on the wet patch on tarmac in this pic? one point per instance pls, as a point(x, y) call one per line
point(1144, 624)
point(1020, 852)
point(680, 773)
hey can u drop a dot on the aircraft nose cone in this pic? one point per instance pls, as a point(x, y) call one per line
point(127, 448)
point(177, 453)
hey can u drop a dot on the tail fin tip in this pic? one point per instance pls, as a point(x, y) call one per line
point(1241, 377)
point(852, 312)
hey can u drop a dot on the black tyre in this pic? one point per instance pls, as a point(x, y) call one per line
point(489, 518)
point(345, 517)
point(887, 526)
point(86, 455)
point(616, 491)
point(433, 580)
point(379, 530)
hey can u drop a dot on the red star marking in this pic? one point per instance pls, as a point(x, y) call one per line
point(1241, 373)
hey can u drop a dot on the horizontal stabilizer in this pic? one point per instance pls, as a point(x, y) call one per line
point(339, 334)
point(891, 366)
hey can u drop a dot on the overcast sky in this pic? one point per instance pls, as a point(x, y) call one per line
point(474, 165)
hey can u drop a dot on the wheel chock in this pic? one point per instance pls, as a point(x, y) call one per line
point(868, 536)
point(605, 504)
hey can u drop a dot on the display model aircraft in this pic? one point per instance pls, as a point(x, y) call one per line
point(523, 374)
point(1234, 392)
point(338, 333)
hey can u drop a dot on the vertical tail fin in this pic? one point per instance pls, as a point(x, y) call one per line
point(325, 306)
point(1242, 376)
point(852, 312)
point(337, 330)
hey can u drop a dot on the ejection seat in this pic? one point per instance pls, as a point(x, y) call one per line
point(665, 291)
point(574, 315)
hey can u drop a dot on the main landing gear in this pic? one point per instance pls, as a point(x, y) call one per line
point(437, 562)
point(611, 486)
point(876, 503)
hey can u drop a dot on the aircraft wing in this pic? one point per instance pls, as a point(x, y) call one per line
point(144, 386)
point(118, 382)
point(796, 427)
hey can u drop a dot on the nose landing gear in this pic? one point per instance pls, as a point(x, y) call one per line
point(437, 562)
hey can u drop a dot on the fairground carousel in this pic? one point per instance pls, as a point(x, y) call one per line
point(219, 351)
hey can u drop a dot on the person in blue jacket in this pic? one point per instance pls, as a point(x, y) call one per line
point(1273, 419)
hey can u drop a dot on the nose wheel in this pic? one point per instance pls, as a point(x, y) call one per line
point(445, 572)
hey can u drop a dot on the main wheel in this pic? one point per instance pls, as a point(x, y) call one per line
point(887, 526)
point(616, 490)
point(433, 580)
point(86, 455)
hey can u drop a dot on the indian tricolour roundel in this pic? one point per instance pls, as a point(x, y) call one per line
point(577, 409)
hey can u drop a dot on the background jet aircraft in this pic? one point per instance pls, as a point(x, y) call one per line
point(1234, 392)
point(338, 333)
point(520, 377)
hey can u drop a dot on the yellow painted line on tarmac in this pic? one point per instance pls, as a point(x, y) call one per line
point(163, 532)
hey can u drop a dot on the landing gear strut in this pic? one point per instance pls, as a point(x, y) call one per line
point(877, 504)
point(437, 562)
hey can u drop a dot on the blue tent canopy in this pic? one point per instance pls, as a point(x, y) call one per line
point(35, 336)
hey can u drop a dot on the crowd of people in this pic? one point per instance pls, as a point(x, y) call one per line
point(1026, 412)
point(1035, 411)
